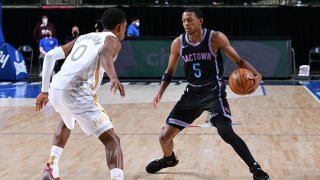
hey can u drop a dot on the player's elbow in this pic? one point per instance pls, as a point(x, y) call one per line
point(49, 55)
point(55, 54)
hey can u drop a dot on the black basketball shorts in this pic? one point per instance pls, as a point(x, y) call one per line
point(195, 100)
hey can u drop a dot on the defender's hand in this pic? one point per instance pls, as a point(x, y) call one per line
point(156, 101)
point(116, 85)
point(42, 100)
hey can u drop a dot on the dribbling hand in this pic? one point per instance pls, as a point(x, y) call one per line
point(257, 80)
point(42, 100)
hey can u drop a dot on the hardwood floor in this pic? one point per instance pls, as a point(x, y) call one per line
point(281, 129)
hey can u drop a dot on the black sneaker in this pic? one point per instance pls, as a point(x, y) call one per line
point(258, 173)
point(158, 164)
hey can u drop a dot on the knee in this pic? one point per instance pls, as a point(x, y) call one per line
point(62, 131)
point(110, 138)
point(117, 139)
point(163, 139)
point(226, 132)
point(57, 136)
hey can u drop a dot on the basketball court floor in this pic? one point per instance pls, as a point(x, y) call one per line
point(280, 123)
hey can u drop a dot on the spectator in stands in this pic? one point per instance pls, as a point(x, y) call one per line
point(75, 32)
point(41, 27)
point(45, 45)
point(98, 27)
point(217, 2)
point(248, 2)
point(166, 2)
point(133, 30)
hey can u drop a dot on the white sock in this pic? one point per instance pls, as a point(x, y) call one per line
point(54, 160)
point(116, 174)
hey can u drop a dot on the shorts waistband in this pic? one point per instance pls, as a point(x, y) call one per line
point(201, 85)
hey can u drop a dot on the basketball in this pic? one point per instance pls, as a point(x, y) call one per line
point(239, 81)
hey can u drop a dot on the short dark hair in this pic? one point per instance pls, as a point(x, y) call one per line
point(135, 18)
point(196, 11)
point(112, 17)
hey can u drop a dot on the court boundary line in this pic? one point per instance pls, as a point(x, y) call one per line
point(314, 96)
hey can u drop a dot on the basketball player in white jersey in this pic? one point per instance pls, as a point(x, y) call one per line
point(72, 91)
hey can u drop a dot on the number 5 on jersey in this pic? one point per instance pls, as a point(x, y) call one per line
point(197, 70)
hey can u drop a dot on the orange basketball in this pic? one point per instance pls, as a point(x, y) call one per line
point(239, 81)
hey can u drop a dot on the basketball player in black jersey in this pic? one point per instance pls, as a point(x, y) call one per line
point(203, 64)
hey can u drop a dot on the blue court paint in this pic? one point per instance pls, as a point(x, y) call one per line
point(19, 90)
point(263, 90)
point(314, 88)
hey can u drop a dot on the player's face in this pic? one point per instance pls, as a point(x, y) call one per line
point(191, 22)
point(123, 27)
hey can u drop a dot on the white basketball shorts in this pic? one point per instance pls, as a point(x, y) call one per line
point(79, 105)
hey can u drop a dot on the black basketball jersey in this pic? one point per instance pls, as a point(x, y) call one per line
point(202, 66)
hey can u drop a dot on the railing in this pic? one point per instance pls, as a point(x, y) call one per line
point(161, 2)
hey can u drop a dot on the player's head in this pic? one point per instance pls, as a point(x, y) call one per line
point(114, 19)
point(192, 19)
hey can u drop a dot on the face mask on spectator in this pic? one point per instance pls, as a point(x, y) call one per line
point(137, 24)
point(75, 33)
point(45, 21)
point(48, 35)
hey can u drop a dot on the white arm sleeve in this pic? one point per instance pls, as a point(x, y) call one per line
point(48, 64)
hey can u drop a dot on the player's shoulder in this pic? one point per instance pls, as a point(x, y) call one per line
point(217, 34)
point(177, 38)
point(176, 42)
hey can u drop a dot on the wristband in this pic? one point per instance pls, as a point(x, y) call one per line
point(167, 77)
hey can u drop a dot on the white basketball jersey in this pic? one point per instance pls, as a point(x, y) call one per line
point(82, 67)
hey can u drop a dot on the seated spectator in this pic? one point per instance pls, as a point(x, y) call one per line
point(45, 45)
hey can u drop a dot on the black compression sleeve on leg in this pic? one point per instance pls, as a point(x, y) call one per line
point(226, 132)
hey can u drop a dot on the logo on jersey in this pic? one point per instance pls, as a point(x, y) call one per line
point(184, 46)
point(197, 56)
